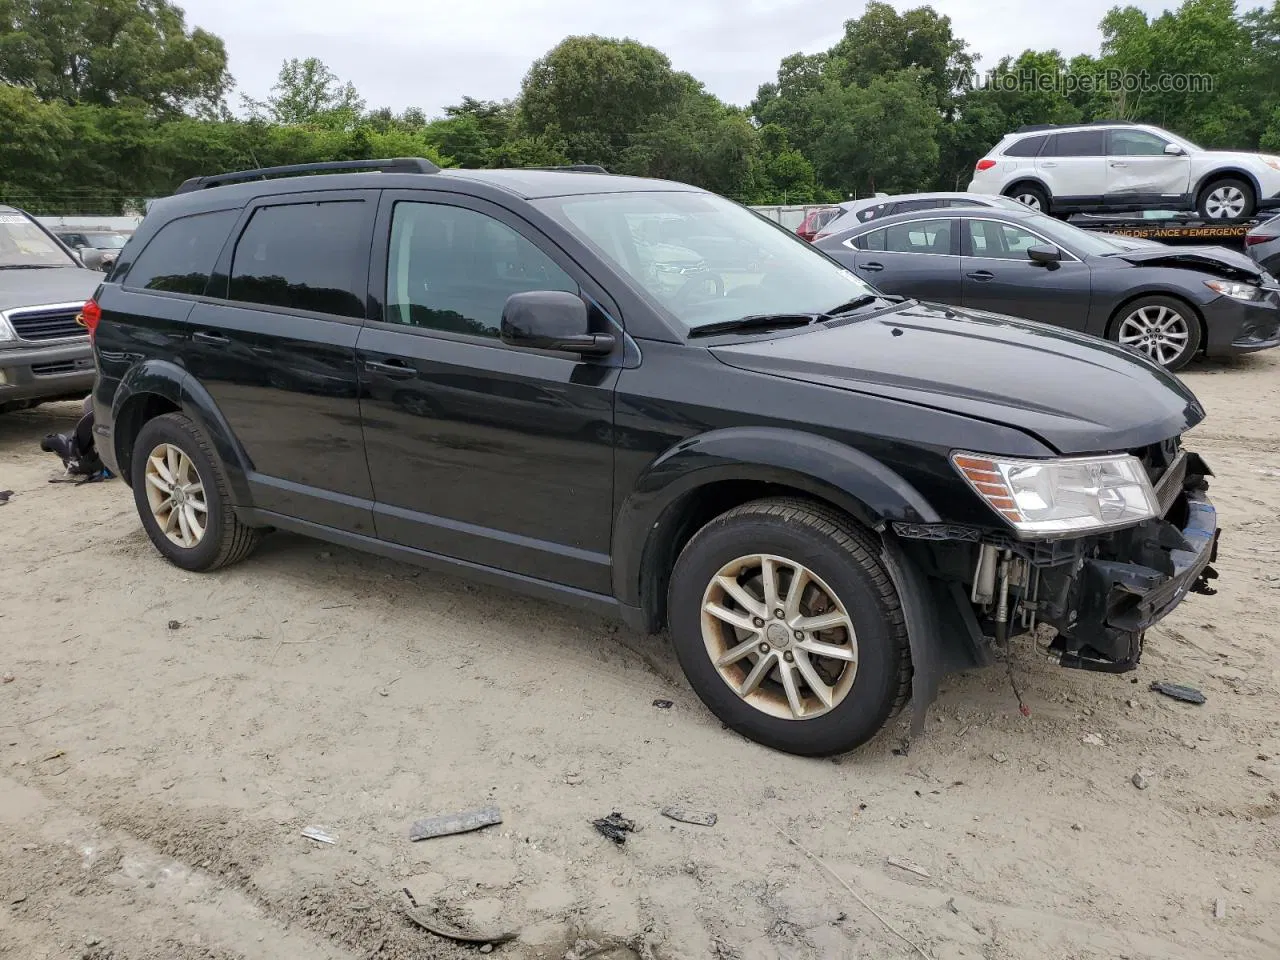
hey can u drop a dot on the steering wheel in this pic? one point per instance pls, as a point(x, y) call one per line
point(696, 288)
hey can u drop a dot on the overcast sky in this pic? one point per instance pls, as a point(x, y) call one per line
point(402, 53)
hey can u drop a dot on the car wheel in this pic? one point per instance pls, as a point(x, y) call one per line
point(788, 627)
point(1227, 199)
point(1031, 196)
point(1166, 330)
point(180, 491)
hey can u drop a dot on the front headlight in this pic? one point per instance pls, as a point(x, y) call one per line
point(6, 330)
point(1236, 291)
point(1061, 497)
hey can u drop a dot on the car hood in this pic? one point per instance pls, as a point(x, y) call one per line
point(1075, 393)
point(1238, 156)
point(1218, 261)
point(36, 287)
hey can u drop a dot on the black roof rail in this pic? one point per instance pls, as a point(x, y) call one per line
point(574, 168)
point(394, 165)
point(1033, 127)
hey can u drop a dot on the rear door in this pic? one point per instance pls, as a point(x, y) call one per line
point(481, 451)
point(1073, 165)
point(999, 276)
point(1139, 171)
point(915, 258)
point(274, 344)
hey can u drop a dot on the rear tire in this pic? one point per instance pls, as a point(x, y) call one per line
point(823, 678)
point(181, 493)
point(1164, 329)
point(1228, 198)
point(1030, 195)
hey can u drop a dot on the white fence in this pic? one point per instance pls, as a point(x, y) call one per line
point(790, 216)
point(121, 224)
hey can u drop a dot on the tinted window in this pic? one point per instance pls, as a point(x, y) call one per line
point(308, 256)
point(180, 257)
point(1136, 143)
point(453, 269)
point(1026, 147)
point(1079, 143)
point(1001, 241)
point(919, 236)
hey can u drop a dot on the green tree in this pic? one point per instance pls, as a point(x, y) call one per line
point(110, 52)
point(594, 93)
point(308, 92)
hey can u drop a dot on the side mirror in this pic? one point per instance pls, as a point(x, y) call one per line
point(552, 320)
point(1173, 150)
point(1044, 254)
point(91, 258)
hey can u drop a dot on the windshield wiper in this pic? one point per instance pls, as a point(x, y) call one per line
point(758, 321)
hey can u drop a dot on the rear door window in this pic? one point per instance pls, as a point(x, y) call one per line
point(918, 236)
point(181, 255)
point(305, 256)
point(1077, 143)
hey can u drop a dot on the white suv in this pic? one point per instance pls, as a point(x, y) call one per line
point(1109, 165)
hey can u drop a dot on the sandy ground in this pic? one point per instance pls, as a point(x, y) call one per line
point(166, 737)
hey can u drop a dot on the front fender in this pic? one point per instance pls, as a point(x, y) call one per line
point(832, 471)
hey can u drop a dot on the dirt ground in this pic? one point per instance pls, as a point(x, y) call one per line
point(165, 738)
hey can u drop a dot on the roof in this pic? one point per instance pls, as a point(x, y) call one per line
point(1042, 127)
point(535, 184)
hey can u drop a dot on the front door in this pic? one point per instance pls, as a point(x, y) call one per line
point(1139, 171)
point(999, 276)
point(480, 451)
point(917, 258)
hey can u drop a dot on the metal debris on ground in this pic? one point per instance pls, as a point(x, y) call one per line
point(689, 816)
point(662, 704)
point(615, 826)
point(1178, 691)
point(909, 866)
point(431, 921)
point(451, 823)
point(319, 835)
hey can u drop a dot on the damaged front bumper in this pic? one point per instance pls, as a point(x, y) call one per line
point(1102, 601)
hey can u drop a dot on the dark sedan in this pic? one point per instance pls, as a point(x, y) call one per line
point(1169, 302)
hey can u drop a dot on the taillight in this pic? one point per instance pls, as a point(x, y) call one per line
point(1250, 239)
point(985, 164)
point(89, 316)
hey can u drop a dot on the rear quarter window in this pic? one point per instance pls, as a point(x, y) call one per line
point(1026, 147)
point(181, 254)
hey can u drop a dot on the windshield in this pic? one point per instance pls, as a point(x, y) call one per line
point(705, 259)
point(1080, 242)
point(24, 244)
point(106, 241)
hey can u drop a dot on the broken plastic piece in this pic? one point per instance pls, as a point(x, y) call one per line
point(615, 826)
point(319, 835)
point(432, 922)
point(688, 816)
point(451, 823)
point(1178, 691)
point(910, 866)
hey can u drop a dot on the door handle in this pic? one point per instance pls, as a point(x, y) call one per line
point(395, 369)
point(873, 266)
point(1118, 163)
point(1047, 163)
point(982, 276)
point(204, 336)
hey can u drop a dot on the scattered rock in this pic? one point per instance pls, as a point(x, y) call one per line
point(1267, 771)
point(662, 704)
point(7, 678)
point(1142, 779)
point(1042, 766)
point(951, 905)
point(582, 950)
point(486, 948)
point(19, 897)
point(1000, 757)
point(1093, 740)
point(175, 624)
point(689, 816)
point(908, 865)
point(573, 779)
point(1219, 909)
point(1131, 704)
point(384, 692)
point(1077, 827)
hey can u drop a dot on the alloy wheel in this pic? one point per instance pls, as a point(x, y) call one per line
point(176, 495)
point(779, 637)
point(1028, 199)
point(1158, 331)
point(1226, 202)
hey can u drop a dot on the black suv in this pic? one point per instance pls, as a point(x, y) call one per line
point(830, 496)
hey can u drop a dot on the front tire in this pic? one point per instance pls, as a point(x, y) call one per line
point(182, 497)
point(1227, 199)
point(1165, 329)
point(789, 628)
